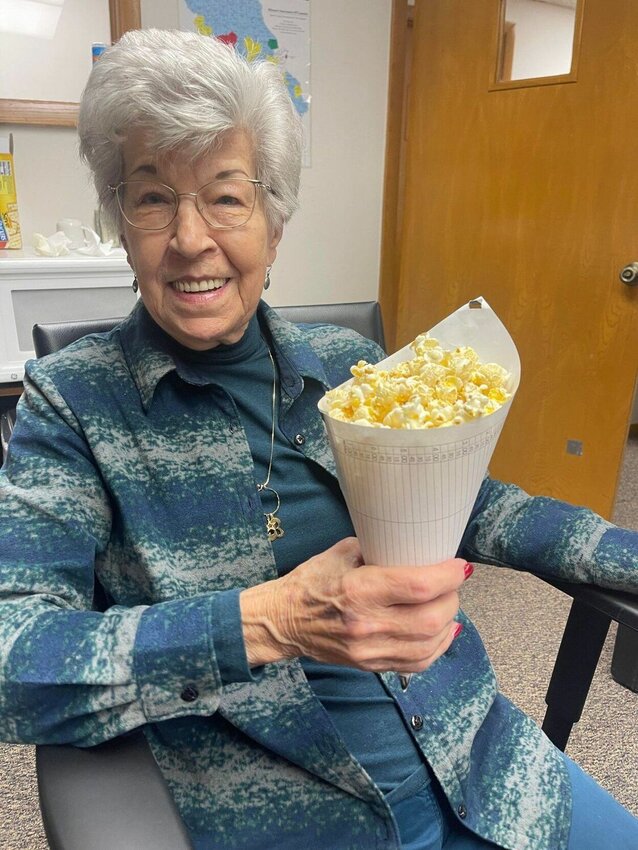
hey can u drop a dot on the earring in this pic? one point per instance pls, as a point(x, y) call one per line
point(135, 285)
point(267, 281)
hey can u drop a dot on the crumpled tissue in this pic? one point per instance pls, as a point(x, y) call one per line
point(58, 244)
point(94, 246)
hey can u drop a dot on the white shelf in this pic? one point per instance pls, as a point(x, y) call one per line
point(36, 289)
point(26, 262)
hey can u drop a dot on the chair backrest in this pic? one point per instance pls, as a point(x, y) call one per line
point(53, 336)
point(362, 316)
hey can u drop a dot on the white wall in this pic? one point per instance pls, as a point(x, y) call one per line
point(331, 250)
point(60, 35)
point(50, 181)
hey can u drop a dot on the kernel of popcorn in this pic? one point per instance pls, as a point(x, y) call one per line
point(437, 388)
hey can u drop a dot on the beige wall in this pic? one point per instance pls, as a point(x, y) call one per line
point(331, 249)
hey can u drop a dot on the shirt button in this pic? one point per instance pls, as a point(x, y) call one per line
point(300, 439)
point(416, 721)
point(189, 694)
point(462, 811)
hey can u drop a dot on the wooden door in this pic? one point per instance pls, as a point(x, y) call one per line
point(529, 197)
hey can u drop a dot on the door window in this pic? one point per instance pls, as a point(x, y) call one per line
point(538, 42)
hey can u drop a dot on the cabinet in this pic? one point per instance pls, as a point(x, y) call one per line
point(37, 289)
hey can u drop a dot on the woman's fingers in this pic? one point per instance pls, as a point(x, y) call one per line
point(400, 584)
point(421, 659)
point(336, 609)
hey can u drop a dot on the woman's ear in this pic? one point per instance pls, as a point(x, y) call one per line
point(124, 244)
point(275, 238)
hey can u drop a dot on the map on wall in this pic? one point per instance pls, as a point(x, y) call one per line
point(275, 30)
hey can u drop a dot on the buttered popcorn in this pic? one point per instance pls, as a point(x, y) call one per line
point(435, 389)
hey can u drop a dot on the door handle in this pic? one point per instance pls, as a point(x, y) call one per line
point(629, 274)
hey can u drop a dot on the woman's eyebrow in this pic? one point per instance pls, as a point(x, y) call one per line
point(221, 175)
point(144, 169)
point(148, 167)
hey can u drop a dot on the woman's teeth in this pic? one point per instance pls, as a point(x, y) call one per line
point(199, 285)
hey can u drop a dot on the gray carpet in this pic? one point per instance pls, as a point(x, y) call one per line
point(521, 620)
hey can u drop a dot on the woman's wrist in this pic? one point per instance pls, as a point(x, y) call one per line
point(262, 623)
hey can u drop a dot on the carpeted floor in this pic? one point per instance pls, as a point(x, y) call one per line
point(521, 620)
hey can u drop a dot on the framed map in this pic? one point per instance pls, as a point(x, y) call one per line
point(275, 30)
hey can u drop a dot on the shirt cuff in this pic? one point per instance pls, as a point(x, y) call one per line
point(228, 639)
point(174, 660)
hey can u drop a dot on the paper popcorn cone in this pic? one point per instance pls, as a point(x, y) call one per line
point(410, 492)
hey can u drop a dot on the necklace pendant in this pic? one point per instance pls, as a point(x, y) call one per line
point(273, 527)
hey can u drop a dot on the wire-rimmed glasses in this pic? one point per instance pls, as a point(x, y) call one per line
point(223, 204)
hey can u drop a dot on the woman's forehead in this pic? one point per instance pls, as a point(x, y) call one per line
point(230, 152)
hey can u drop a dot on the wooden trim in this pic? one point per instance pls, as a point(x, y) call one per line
point(556, 80)
point(54, 112)
point(125, 15)
point(400, 60)
point(506, 57)
point(9, 390)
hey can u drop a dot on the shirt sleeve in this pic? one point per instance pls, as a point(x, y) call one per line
point(510, 528)
point(68, 673)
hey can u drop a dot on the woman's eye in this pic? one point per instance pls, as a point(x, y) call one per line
point(228, 200)
point(153, 198)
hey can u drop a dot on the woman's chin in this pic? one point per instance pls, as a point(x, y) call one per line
point(202, 334)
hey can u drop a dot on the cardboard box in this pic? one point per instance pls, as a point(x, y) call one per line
point(10, 236)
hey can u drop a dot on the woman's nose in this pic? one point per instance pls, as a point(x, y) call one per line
point(191, 235)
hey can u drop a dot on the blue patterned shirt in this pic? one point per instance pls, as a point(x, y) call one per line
point(129, 521)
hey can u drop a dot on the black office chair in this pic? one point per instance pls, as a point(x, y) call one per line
point(7, 421)
point(107, 779)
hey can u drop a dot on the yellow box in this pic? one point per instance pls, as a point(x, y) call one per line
point(9, 219)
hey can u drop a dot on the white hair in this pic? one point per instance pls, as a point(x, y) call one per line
point(186, 90)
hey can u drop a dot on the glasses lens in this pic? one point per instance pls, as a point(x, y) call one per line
point(147, 204)
point(227, 203)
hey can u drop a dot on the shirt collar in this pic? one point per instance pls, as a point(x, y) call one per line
point(150, 353)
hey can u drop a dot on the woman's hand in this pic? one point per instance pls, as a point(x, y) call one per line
point(336, 609)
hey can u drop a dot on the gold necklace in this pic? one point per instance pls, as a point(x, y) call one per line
point(273, 523)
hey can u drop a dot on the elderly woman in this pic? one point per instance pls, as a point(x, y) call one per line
point(175, 551)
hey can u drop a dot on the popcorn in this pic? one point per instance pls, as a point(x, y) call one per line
point(435, 389)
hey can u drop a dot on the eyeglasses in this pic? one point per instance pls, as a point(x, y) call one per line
point(223, 204)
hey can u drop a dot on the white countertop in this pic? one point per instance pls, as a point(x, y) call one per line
point(27, 260)
point(27, 256)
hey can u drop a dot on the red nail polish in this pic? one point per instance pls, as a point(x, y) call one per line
point(468, 569)
point(457, 630)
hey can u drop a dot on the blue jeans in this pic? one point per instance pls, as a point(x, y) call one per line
point(426, 821)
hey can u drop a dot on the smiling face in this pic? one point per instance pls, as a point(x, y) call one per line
point(228, 266)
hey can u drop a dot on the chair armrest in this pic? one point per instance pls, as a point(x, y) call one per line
point(619, 605)
point(106, 797)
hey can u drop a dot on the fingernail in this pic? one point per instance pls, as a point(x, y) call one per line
point(468, 569)
point(457, 630)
